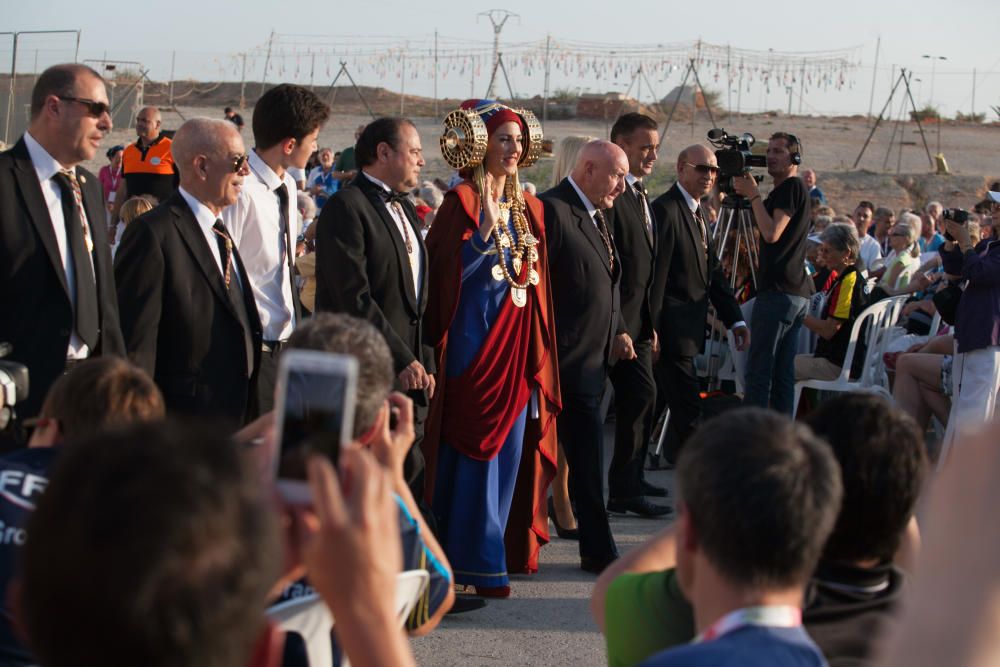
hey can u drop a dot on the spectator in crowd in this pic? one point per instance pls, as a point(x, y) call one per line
point(263, 221)
point(345, 165)
point(904, 260)
point(569, 150)
point(935, 210)
point(930, 238)
point(233, 117)
point(529, 187)
point(374, 410)
point(321, 182)
point(432, 197)
point(58, 294)
point(813, 190)
point(129, 211)
point(923, 385)
point(109, 175)
point(816, 211)
point(870, 252)
point(783, 288)
point(845, 301)
point(857, 583)
point(98, 394)
point(148, 164)
point(884, 220)
point(820, 223)
point(743, 571)
point(188, 312)
point(977, 323)
point(307, 209)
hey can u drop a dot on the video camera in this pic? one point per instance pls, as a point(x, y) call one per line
point(13, 385)
point(734, 157)
point(961, 216)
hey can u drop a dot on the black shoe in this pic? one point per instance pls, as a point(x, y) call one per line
point(596, 565)
point(657, 463)
point(565, 533)
point(464, 603)
point(653, 490)
point(640, 506)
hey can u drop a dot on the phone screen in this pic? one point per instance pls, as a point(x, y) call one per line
point(314, 411)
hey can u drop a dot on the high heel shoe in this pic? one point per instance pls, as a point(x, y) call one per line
point(565, 533)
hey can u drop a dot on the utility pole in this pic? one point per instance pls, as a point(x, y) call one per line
point(548, 72)
point(871, 99)
point(402, 81)
point(435, 73)
point(173, 61)
point(802, 85)
point(933, 59)
point(973, 91)
point(243, 82)
point(267, 61)
point(312, 71)
point(498, 17)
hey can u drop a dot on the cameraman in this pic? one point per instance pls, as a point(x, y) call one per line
point(783, 287)
point(976, 369)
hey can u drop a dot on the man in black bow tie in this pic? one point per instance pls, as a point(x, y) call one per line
point(371, 261)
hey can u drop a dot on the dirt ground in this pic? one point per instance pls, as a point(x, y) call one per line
point(831, 146)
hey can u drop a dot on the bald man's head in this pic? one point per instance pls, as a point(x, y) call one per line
point(210, 156)
point(600, 172)
point(147, 124)
point(696, 170)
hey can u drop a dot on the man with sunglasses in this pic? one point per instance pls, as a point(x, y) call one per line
point(147, 165)
point(188, 312)
point(264, 221)
point(57, 291)
point(688, 276)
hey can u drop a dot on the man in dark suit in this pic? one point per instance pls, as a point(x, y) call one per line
point(635, 388)
point(688, 275)
point(57, 291)
point(371, 261)
point(585, 269)
point(188, 312)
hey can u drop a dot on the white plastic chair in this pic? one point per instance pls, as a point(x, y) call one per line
point(878, 317)
point(310, 617)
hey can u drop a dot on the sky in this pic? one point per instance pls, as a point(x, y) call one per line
point(202, 41)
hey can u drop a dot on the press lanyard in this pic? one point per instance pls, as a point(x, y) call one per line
point(773, 617)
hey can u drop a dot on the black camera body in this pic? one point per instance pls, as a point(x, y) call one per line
point(13, 385)
point(961, 216)
point(734, 157)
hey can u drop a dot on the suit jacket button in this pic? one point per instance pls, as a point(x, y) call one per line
point(414, 322)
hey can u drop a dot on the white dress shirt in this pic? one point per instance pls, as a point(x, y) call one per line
point(591, 209)
point(632, 180)
point(870, 251)
point(254, 222)
point(46, 167)
point(416, 267)
point(206, 220)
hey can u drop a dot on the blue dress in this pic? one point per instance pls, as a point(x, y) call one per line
point(472, 498)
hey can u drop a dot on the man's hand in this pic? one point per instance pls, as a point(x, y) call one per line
point(960, 233)
point(622, 348)
point(415, 377)
point(746, 186)
point(741, 338)
point(656, 346)
point(391, 445)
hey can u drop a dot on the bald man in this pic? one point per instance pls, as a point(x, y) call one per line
point(686, 278)
point(148, 164)
point(585, 270)
point(188, 313)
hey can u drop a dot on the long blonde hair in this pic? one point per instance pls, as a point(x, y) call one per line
point(569, 150)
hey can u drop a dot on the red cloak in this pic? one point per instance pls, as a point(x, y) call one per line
point(517, 356)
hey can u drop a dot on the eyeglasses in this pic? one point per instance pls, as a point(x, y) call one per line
point(94, 108)
point(704, 168)
point(239, 162)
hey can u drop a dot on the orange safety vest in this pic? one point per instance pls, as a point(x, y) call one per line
point(157, 159)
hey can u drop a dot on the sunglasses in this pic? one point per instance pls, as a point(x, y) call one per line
point(94, 108)
point(239, 162)
point(704, 169)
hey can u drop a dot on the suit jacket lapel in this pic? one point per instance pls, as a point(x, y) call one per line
point(190, 232)
point(694, 233)
point(371, 191)
point(27, 181)
point(588, 226)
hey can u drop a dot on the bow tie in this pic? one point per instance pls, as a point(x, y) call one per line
point(393, 197)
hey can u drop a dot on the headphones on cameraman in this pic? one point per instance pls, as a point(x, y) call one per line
point(793, 142)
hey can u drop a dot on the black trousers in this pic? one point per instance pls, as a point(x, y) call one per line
point(635, 398)
point(581, 433)
point(267, 378)
point(678, 382)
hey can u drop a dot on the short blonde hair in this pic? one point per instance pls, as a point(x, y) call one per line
point(133, 208)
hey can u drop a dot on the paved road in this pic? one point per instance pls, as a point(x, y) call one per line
point(547, 619)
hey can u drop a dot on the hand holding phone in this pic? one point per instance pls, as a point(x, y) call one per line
point(394, 440)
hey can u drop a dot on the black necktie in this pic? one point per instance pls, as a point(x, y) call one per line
point(640, 191)
point(233, 290)
point(602, 227)
point(87, 317)
point(702, 228)
point(282, 192)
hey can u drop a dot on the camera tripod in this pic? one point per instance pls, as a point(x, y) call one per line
point(734, 237)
